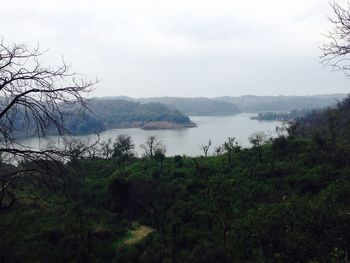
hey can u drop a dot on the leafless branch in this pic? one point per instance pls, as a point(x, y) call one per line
point(33, 101)
point(336, 48)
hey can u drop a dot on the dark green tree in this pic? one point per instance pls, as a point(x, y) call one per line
point(123, 148)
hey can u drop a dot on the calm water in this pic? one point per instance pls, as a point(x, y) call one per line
point(187, 141)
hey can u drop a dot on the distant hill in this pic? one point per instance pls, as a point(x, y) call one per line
point(197, 106)
point(249, 103)
point(193, 106)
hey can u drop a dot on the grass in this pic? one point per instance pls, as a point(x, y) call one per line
point(137, 235)
point(133, 236)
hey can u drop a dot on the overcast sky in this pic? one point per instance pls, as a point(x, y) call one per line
point(188, 48)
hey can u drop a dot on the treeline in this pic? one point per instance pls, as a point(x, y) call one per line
point(227, 105)
point(251, 103)
point(281, 116)
point(331, 123)
point(196, 106)
point(284, 199)
point(108, 114)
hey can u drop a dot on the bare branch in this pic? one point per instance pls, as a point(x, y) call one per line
point(33, 101)
point(336, 48)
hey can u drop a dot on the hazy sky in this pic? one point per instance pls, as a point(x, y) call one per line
point(183, 48)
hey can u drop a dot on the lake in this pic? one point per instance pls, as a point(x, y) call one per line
point(187, 141)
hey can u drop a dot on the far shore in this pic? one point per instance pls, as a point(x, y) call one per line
point(166, 125)
point(155, 125)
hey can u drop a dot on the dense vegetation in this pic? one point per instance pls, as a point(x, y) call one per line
point(167, 112)
point(282, 200)
point(112, 113)
point(109, 114)
point(197, 106)
point(281, 116)
point(250, 103)
point(332, 123)
point(231, 105)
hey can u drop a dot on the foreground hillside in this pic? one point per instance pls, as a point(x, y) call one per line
point(282, 200)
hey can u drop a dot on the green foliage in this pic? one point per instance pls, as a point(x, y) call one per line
point(197, 106)
point(123, 148)
point(281, 116)
point(283, 200)
point(110, 114)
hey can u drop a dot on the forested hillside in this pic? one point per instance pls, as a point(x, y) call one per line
point(109, 114)
point(197, 106)
point(90, 199)
point(114, 113)
point(332, 123)
point(250, 103)
point(281, 116)
point(227, 105)
point(285, 199)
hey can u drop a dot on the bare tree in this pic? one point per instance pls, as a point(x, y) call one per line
point(33, 100)
point(205, 148)
point(76, 149)
point(106, 149)
point(159, 155)
point(151, 146)
point(336, 48)
point(230, 147)
point(219, 150)
point(257, 139)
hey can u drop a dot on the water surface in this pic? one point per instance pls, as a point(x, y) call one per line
point(187, 141)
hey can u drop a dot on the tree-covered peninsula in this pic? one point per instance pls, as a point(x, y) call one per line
point(114, 113)
point(103, 114)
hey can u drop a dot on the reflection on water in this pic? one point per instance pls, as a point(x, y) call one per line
point(187, 141)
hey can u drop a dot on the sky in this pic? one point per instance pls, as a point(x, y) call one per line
point(184, 48)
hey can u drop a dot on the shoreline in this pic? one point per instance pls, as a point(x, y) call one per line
point(165, 125)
